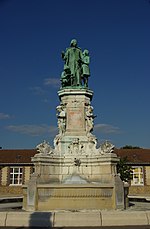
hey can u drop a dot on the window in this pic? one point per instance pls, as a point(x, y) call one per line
point(16, 175)
point(138, 176)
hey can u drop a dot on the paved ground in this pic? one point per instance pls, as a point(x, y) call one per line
point(136, 205)
point(119, 227)
point(112, 227)
point(139, 206)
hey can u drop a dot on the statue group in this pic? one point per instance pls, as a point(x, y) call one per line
point(76, 68)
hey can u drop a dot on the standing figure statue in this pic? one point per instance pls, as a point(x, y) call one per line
point(89, 119)
point(85, 67)
point(73, 59)
point(61, 119)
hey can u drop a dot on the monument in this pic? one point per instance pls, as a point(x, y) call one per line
point(74, 174)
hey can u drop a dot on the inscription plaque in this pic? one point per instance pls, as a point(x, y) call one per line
point(75, 119)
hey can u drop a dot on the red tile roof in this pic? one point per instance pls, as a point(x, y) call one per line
point(135, 156)
point(23, 156)
point(16, 156)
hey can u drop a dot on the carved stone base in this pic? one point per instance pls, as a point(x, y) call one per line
point(74, 182)
point(74, 197)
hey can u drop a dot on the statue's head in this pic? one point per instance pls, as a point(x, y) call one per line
point(73, 43)
point(86, 52)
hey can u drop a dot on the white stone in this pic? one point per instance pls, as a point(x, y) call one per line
point(77, 219)
point(123, 218)
point(26, 219)
point(3, 217)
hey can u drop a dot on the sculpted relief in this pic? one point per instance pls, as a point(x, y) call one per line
point(61, 115)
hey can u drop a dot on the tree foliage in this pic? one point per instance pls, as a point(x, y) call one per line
point(130, 147)
point(124, 169)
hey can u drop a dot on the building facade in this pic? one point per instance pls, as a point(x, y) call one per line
point(16, 168)
point(139, 160)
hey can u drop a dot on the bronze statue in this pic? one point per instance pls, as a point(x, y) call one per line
point(76, 67)
point(85, 67)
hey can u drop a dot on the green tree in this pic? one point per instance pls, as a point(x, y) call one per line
point(124, 169)
point(130, 147)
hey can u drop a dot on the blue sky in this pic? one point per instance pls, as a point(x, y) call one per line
point(32, 35)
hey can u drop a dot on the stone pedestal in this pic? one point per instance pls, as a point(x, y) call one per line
point(75, 174)
point(75, 120)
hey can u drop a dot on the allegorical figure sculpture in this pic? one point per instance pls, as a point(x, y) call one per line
point(61, 119)
point(44, 148)
point(76, 67)
point(89, 119)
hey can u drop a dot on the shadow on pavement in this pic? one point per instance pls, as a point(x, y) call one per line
point(41, 219)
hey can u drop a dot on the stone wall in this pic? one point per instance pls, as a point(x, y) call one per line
point(4, 176)
point(147, 175)
point(143, 189)
point(6, 189)
point(27, 173)
point(139, 190)
point(11, 190)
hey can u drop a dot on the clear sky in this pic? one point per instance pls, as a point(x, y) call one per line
point(32, 35)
